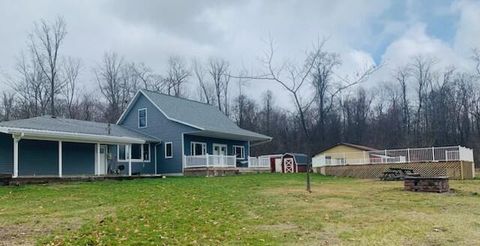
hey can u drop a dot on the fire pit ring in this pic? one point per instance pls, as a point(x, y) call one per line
point(426, 184)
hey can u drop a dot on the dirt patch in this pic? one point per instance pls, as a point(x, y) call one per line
point(27, 233)
point(21, 234)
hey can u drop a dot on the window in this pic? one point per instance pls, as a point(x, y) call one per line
point(239, 151)
point(122, 152)
point(197, 148)
point(146, 152)
point(142, 118)
point(140, 152)
point(136, 151)
point(168, 150)
point(328, 160)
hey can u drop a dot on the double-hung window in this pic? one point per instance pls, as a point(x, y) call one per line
point(168, 150)
point(139, 152)
point(142, 118)
point(197, 148)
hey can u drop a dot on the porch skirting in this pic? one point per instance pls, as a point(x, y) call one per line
point(210, 171)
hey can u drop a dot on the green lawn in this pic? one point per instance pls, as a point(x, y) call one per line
point(247, 209)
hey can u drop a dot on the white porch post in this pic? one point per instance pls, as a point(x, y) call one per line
point(60, 160)
point(433, 153)
point(97, 167)
point(15, 156)
point(129, 160)
point(408, 155)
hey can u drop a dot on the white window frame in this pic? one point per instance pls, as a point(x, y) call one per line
point(146, 117)
point(149, 152)
point(242, 155)
point(192, 148)
point(220, 145)
point(128, 152)
point(118, 153)
point(171, 150)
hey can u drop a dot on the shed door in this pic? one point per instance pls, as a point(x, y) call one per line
point(278, 165)
point(289, 165)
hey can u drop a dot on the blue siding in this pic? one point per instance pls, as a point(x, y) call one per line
point(6, 153)
point(147, 167)
point(210, 141)
point(36, 157)
point(162, 128)
point(78, 158)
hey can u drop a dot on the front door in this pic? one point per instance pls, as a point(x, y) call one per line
point(102, 169)
point(219, 149)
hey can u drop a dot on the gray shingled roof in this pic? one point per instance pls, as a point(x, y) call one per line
point(200, 115)
point(47, 123)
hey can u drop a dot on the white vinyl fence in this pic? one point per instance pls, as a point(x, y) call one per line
point(430, 154)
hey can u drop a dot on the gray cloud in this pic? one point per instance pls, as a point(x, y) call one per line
point(151, 31)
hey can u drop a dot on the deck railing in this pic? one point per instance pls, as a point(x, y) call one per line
point(430, 154)
point(210, 161)
point(254, 162)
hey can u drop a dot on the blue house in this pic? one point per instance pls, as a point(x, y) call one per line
point(156, 135)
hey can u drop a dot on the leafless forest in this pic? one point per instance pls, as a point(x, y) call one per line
point(418, 105)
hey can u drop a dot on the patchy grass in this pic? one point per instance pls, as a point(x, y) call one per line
point(248, 209)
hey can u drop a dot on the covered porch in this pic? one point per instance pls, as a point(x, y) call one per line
point(220, 151)
point(48, 154)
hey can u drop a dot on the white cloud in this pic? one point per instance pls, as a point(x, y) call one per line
point(468, 27)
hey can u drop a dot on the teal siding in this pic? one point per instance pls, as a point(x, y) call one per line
point(78, 158)
point(6, 153)
point(36, 157)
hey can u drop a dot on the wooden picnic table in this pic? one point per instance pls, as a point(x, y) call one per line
point(395, 173)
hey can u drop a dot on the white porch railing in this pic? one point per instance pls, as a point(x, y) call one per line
point(254, 162)
point(210, 161)
point(430, 154)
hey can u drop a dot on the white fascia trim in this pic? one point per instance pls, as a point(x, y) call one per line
point(168, 117)
point(128, 107)
point(68, 136)
point(130, 104)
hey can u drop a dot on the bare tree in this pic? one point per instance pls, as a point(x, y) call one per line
point(109, 77)
point(219, 70)
point(206, 90)
point(422, 71)
point(45, 43)
point(7, 105)
point(476, 58)
point(294, 77)
point(322, 80)
point(31, 86)
point(176, 76)
point(401, 76)
point(71, 70)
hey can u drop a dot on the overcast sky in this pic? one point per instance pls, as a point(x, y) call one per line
point(362, 32)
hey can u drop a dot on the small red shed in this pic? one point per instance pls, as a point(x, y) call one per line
point(287, 163)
